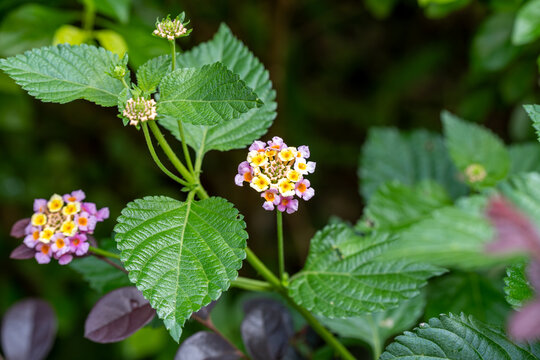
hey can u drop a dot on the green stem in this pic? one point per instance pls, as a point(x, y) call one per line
point(376, 341)
point(102, 252)
point(281, 257)
point(125, 83)
point(173, 50)
point(184, 147)
point(89, 15)
point(156, 158)
point(251, 284)
point(170, 153)
point(312, 320)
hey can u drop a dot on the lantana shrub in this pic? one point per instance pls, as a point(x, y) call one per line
point(426, 198)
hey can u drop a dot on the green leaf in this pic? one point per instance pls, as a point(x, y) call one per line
point(205, 96)
point(150, 73)
point(436, 9)
point(79, 73)
point(527, 24)
point(378, 327)
point(534, 113)
point(422, 156)
point(472, 146)
point(380, 8)
point(468, 292)
point(518, 290)
point(524, 191)
point(395, 205)
point(69, 34)
point(18, 30)
point(453, 236)
point(118, 9)
point(238, 133)
point(181, 255)
point(101, 276)
point(458, 338)
point(112, 41)
point(524, 157)
point(344, 276)
point(492, 47)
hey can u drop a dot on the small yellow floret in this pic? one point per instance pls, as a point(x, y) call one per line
point(300, 165)
point(293, 175)
point(46, 235)
point(260, 183)
point(287, 154)
point(286, 188)
point(71, 208)
point(68, 228)
point(39, 219)
point(55, 203)
point(258, 160)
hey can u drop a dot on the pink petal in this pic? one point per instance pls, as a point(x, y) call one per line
point(524, 325)
point(18, 230)
point(65, 259)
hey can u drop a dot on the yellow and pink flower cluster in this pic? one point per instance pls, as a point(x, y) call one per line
point(277, 171)
point(59, 227)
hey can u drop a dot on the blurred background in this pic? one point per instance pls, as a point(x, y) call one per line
point(339, 67)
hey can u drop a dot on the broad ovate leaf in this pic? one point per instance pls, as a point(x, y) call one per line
point(208, 95)
point(458, 337)
point(118, 315)
point(395, 205)
point(344, 275)
point(181, 255)
point(150, 73)
point(478, 153)
point(237, 133)
point(422, 156)
point(527, 23)
point(28, 330)
point(378, 327)
point(79, 72)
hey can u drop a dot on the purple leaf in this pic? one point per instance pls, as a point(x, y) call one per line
point(17, 230)
point(524, 325)
point(117, 315)
point(266, 329)
point(22, 252)
point(206, 345)
point(28, 330)
point(204, 313)
point(515, 232)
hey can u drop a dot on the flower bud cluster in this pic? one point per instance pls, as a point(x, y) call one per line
point(140, 110)
point(277, 172)
point(170, 29)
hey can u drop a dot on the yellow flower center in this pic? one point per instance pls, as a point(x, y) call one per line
point(39, 219)
point(71, 208)
point(293, 175)
point(55, 203)
point(285, 186)
point(46, 235)
point(286, 155)
point(68, 228)
point(60, 243)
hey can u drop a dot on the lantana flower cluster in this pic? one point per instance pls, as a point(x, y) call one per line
point(59, 227)
point(140, 110)
point(277, 171)
point(171, 29)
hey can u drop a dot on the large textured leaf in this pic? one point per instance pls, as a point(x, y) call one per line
point(378, 327)
point(527, 24)
point(453, 236)
point(150, 73)
point(64, 73)
point(468, 292)
point(395, 205)
point(471, 145)
point(518, 290)
point(235, 134)
point(414, 157)
point(453, 337)
point(344, 276)
point(205, 96)
point(181, 255)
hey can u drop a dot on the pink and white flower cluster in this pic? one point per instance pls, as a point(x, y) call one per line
point(59, 227)
point(277, 171)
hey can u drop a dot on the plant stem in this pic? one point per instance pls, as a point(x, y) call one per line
point(184, 147)
point(156, 158)
point(170, 153)
point(125, 83)
point(312, 320)
point(173, 50)
point(102, 252)
point(89, 15)
point(281, 257)
point(251, 284)
point(112, 263)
